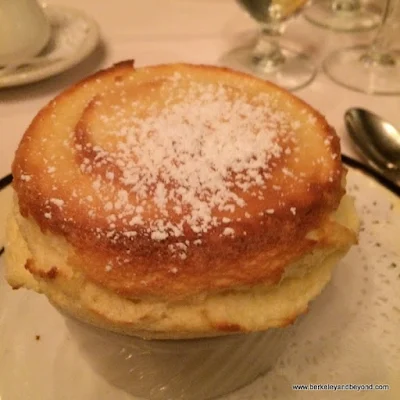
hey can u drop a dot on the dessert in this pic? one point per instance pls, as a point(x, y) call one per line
point(178, 201)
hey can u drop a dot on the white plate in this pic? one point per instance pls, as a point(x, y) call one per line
point(74, 37)
point(349, 336)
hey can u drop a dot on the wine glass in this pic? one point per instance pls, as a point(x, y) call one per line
point(270, 58)
point(343, 15)
point(373, 69)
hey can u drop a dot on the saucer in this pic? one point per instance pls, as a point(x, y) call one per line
point(74, 36)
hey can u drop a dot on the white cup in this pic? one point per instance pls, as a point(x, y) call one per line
point(24, 30)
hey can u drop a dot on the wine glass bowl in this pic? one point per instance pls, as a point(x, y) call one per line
point(374, 68)
point(343, 15)
point(264, 11)
point(271, 57)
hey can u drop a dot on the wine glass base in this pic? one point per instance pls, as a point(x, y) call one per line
point(353, 69)
point(294, 72)
point(322, 14)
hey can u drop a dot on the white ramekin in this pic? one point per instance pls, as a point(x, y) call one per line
point(190, 369)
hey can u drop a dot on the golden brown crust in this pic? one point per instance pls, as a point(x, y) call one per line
point(57, 157)
point(51, 274)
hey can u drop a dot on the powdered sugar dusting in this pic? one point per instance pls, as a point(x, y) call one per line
point(57, 202)
point(205, 149)
point(26, 177)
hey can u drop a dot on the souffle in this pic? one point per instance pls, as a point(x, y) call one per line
point(178, 201)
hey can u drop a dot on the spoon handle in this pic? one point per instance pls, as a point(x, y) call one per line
point(5, 181)
point(393, 184)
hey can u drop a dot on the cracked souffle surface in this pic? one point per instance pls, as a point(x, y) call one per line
point(178, 201)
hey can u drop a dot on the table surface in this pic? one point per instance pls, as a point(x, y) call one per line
point(198, 31)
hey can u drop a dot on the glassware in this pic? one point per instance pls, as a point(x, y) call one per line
point(343, 15)
point(270, 58)
point(373, 69)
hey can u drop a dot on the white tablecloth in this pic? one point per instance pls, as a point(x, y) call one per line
point(199, 31)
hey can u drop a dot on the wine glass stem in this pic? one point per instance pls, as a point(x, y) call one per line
point(345, 5)
point(267, 53)
point(379, 51)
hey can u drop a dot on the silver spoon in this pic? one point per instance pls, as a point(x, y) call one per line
point(377, 140)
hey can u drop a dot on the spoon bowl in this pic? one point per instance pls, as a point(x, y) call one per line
point(376, 140)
